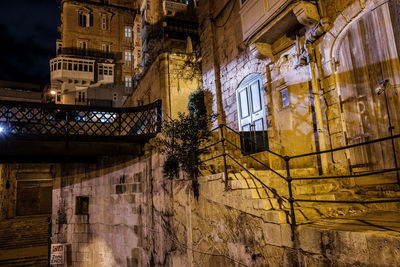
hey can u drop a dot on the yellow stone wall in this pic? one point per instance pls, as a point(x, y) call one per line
point(171, 78)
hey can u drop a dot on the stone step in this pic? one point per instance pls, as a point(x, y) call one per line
point(332, 210)
point(385, 190)
point(315, 188)
point(281, 187)
point(38, 261)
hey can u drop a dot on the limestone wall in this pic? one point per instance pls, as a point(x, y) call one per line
point(7, 193)
point(136, 217)
point(237, 61)
point(305, 125)
point(171, 78)
point(225, 228)
point(111, 234)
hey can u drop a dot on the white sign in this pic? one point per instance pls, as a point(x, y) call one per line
point(57, 254)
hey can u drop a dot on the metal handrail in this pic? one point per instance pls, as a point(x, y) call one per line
point(346, 147)
point(290, 179)
point(236, 132)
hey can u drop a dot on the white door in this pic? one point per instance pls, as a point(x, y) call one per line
point(251, 114)
point(251, 108)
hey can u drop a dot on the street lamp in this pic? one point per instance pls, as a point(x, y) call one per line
point(381, 89)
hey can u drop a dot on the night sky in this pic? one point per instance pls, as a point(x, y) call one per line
point(28, 32)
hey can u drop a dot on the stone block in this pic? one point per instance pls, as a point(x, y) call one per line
point(272, 234)
point(120, 189)
point(81, 227)
point(338, 25)
point(84, 247)
point(309, 239)
point(352, 10)
point(80, 256)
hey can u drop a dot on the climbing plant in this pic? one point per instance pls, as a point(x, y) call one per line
point(182, 140)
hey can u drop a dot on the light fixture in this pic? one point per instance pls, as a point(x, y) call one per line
point(381, 87)
point(53, 92)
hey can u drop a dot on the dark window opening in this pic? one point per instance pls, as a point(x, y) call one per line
point(82, 205)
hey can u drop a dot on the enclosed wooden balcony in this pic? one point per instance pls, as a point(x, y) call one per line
point(72, 68)
point(267, 20)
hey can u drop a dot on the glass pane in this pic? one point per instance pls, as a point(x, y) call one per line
point(285, 98)
point(244, 106)
point(259, 125)
point(255, 96)
point(246, 128)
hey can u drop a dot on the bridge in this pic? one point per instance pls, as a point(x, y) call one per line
point(69, 131)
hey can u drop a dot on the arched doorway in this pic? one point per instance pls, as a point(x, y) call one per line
point(365, 57)
point(251, 114)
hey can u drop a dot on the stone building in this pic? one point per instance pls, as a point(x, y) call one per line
point(170, 66)
point(295, 77)
point(306, 74)
point(98, 53)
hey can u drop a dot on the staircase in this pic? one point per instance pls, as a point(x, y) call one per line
point(355, 189)
point(24, 241)
point(252, 196)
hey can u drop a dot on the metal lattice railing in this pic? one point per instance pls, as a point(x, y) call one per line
point(40, 120)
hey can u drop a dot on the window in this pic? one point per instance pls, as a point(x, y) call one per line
point(104, 23)
point(128, 58)
point(83, 19)
point(285, 98)
point(82, 206)
point(128, 81)
point(105, 48)
point(128, 34)
point(82, 44)
point(81, 96)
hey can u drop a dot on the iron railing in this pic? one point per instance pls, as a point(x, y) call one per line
point(224, 129)
point(93, 53)
point(28, 120)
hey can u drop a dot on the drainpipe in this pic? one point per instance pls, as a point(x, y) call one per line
point(217, 69)
point(317, 104)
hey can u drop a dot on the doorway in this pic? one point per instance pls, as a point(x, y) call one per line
point(251, 114)
point(366, 56)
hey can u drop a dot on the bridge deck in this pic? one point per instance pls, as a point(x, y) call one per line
point(30, 129)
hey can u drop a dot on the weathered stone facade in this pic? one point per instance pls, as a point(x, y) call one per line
point(111, 232)
point(170, 78)
point(98, 53)
point(321, 68)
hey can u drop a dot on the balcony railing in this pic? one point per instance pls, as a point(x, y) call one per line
point(90, 53)
point(33, 121)
point(179, 29)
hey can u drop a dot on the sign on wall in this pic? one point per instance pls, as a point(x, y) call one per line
point(57, 254)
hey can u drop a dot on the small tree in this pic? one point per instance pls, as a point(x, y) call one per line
point(182, 139)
